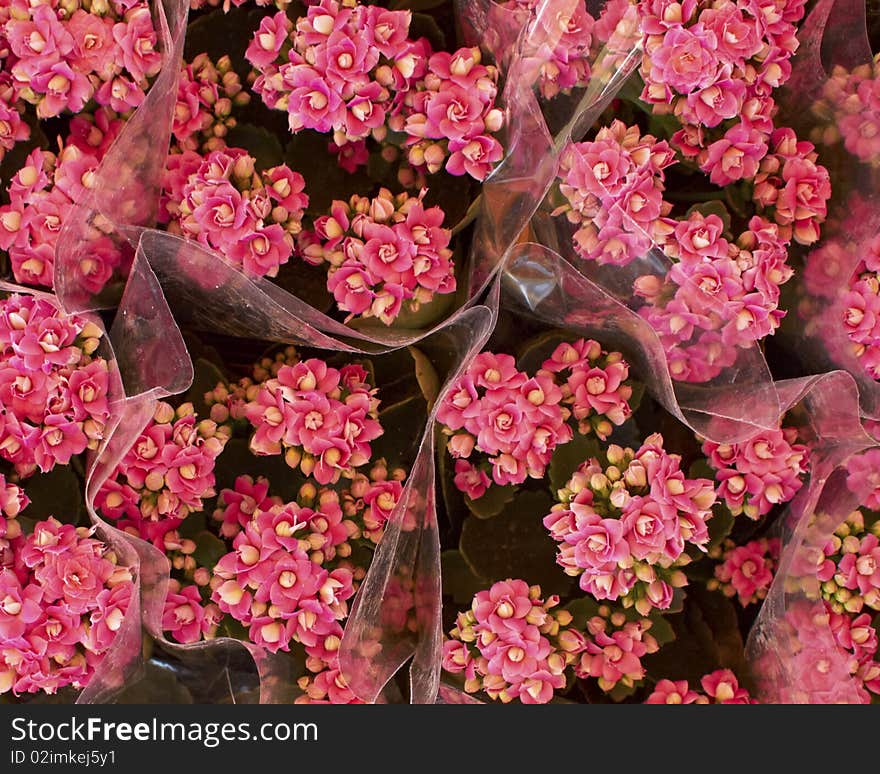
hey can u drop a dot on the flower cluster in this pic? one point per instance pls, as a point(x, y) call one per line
point(623, 527)
point(384, 254)
point(719, 687)
point(848, 570)
point(321, 418)
point(715, 66)
point(719, 293)
point(614, 649)
point(271, 585)
point(863, 477)
point(53, 389)
point(451, 115)
point(514, 422)
point(165, 475)
point(849, 108)
point(206, 96)
point(613, 186)
point(755, 475)
point(861, 306)
point(718, 296)
point(42, 195)
point(224, 203)
point(60, 57)
point(352, 70)
point(63, 598)
point(746, 571)
point(510, 645)
point(567, 66)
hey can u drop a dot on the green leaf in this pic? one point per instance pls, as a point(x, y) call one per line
point(453, 500)
point(459, 580)
point(707, 637)
point(307, 154)
point(192, 525)
point(57, 493)
point(402, 424)
point(259, 142)
point(620, 691)
point(638, 393)
point(568, 457)
point(713, 207)
point(426, 375)
point(720, 525)
point(209, 549)
point(661, 630)
point(495, 500)
point(515, 544)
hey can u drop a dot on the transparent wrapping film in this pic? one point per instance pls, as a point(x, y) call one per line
point(830, 324)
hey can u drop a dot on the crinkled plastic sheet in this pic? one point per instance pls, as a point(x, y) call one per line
point(791, 648)
point(834, 33)
point(120, 663)
point(746, 367)
point(168, 278)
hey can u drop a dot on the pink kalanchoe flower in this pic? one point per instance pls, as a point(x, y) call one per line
point(863, 477)
point(165, 475)
point(63, 598)
point(223, 202)
point(757, 474)
point(623, 526)
point(53, 390)
point(747, 571)
point(322, 427)
point(385, 255)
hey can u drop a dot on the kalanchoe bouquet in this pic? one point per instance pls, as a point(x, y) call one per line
point(704, 105)
point(503, 420)
point(54, 386)
point(267, 496)
point(63, 597)
point(609, 490)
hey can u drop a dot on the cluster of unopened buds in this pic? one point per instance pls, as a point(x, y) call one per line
point(221, 200)
point(501, 421)
point(849, 569)
point(207, 94)
point(719, 687)
point(59, 59)
point(42, 195)
point(849, 108)
point(63, 598)
point(54, 389)
point(385, 254)
point(755, 475)
point(352, 71)
point(166, 474)
point(623, 526)
point(745, 571)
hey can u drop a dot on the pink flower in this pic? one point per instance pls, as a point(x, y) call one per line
point(183, 616)
point(686, 60)
point(470, 479)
